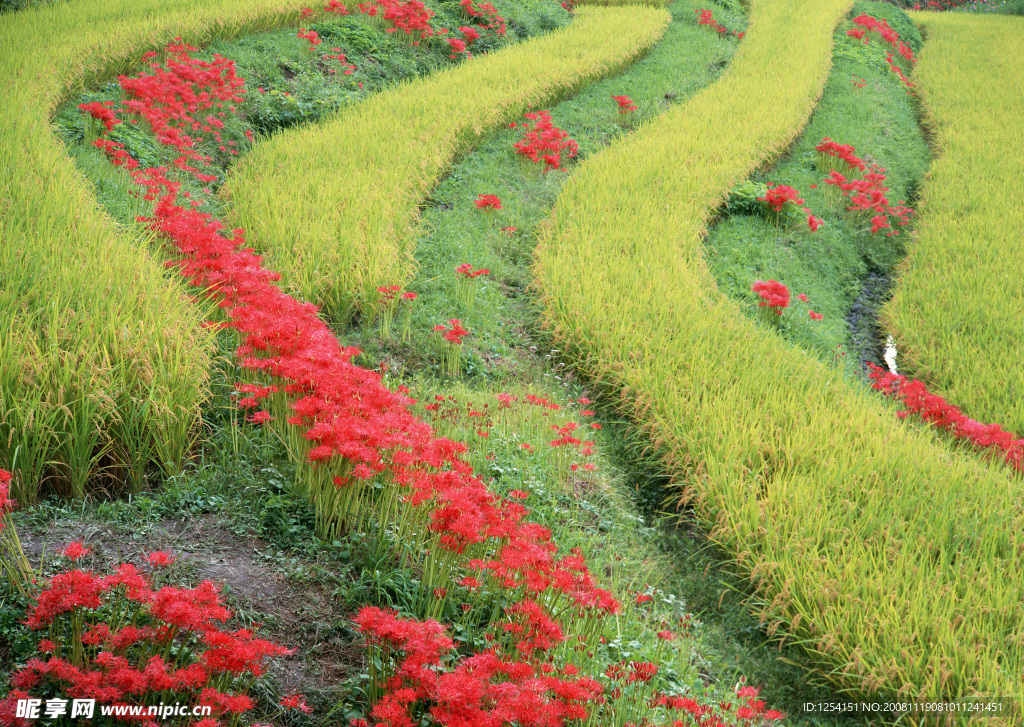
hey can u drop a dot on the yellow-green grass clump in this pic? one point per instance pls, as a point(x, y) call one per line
point(104, 364)
point(895, 562)
point(957, 310)
point(333, 206)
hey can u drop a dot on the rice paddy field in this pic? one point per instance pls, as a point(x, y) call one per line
point(524, 363)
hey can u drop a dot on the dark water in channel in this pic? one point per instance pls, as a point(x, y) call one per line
point(867, 338)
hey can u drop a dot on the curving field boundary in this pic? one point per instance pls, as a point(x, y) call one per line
point(333, 206)
point(104, 363)
point(956, 311)
point(894, 562)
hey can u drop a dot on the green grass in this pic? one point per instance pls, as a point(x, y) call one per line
point(880, 121)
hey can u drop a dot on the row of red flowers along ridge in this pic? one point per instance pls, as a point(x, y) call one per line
point(913, 394)
point(366, 431)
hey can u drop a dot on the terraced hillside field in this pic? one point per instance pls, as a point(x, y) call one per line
point(452, 363)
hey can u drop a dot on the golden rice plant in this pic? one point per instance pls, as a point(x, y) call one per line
point(616, 3)
point(957, 311)
point(103, 366)
point(333, 206)
point(896, 563)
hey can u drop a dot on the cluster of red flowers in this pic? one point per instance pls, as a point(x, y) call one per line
point(706, 17)
point(411, 16)
point(93, 660)
point(843, 152)
point(312, 36)
point(774, 295)
point(468, 273)
point(173, 97)
point(347, 67)
point(544, 141)
point(889, 35)
point(102, 113)
point(469, 34)
point(488, 202)
point(625, 104)
point(486, 13)
point(6, 503)
point(866, 194)
point(936, 410)
point(457, 46)
point(868, 24)
point(777, 197)
point(388, 293)
point(941, 4)
point(455, 334)
point(489, 688)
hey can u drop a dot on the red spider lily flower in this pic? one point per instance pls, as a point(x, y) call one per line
point(814, 222)
point(46, 646)
point(455, 334)
point(545, 141)
point(802, 297)
point(6, 503)
point(67, 592)
point(312, 36)
point(336, 7)
point(777, 197)
point(75, 551)
point(296, 701)
point(466, 270)
point(488, 201)
point(643, 598)
point(625, 104)
point(508, 230)
point(410, 295)
point(160, 559)
point(307, 13)
point(641, 672)
point(457, 46)
point(773, 294)
point(469, 34)
point(99, 112)
point(815, 316)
